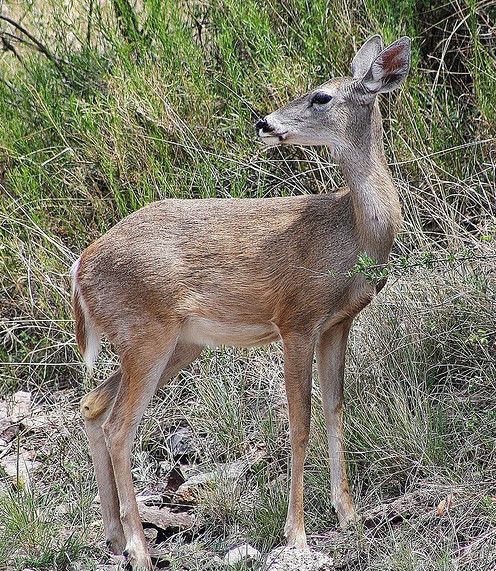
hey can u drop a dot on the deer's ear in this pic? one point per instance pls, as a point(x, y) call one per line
point(365, 56)
point(389, 69)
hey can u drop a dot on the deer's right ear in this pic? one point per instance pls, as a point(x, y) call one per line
point(365, 56)
point(389, 69)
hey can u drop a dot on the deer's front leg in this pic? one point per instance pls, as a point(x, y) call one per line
point(331, 352)
point(298, 357)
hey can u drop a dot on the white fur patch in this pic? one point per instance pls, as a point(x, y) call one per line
point(212, 333)
point(93, 337)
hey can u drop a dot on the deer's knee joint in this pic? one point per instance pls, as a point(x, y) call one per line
point(93, 404)
point(116, 437)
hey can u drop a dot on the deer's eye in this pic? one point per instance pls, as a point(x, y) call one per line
point(321, 98)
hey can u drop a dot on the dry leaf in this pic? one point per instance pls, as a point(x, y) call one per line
point(444, 505)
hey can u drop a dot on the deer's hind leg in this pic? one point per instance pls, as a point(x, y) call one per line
point(143, 364)
point(95, 407)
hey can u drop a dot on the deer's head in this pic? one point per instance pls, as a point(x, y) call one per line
point(340, 113)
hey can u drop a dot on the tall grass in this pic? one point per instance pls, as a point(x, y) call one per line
point(132, 102)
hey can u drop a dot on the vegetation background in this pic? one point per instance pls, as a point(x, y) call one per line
point(106, 106)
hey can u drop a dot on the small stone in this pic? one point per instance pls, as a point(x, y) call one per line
point(181, 443)
point(8, 430)
point(61, 509)
point(243, 553)
point(19, 467)
point(150, 533)
point(292, 559)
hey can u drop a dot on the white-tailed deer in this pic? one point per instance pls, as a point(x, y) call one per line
point(181, 274)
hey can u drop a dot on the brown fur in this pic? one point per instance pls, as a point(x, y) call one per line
point(250, 271)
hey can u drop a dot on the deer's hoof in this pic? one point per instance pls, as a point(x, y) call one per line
point(295, 537)
point(115, 545)
point(138, 558)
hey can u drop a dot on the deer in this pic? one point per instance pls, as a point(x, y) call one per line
point(181, 274)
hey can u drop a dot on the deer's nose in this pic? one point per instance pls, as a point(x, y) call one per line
point(263, 126)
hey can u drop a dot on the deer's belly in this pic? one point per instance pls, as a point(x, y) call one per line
point(203, 331)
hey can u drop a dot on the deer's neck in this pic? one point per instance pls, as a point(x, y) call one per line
point(377, 209)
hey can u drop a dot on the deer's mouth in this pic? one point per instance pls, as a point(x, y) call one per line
point(273, 138)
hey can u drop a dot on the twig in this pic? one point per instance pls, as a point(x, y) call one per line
point(39, 46)
point(7, 46)
point(18, 39)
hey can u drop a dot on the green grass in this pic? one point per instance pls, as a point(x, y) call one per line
point(140, 103)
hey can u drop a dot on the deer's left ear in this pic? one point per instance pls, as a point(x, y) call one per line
point(389, 69)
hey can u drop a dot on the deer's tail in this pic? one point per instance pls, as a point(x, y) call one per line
point(88, 338)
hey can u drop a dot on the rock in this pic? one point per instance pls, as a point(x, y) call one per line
point(8, 430)
point(21, 406)
point(172, 476)
point(188, 492)
point(19, 467)
point(160, 557)
point(117, 562)
point(37, 421)
point(400, 509)
point(291, 559)
point(164, 518)
point(150, 533)
point(149, 497)
point(181, 443)
point(243, 553)
point(3, 410)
